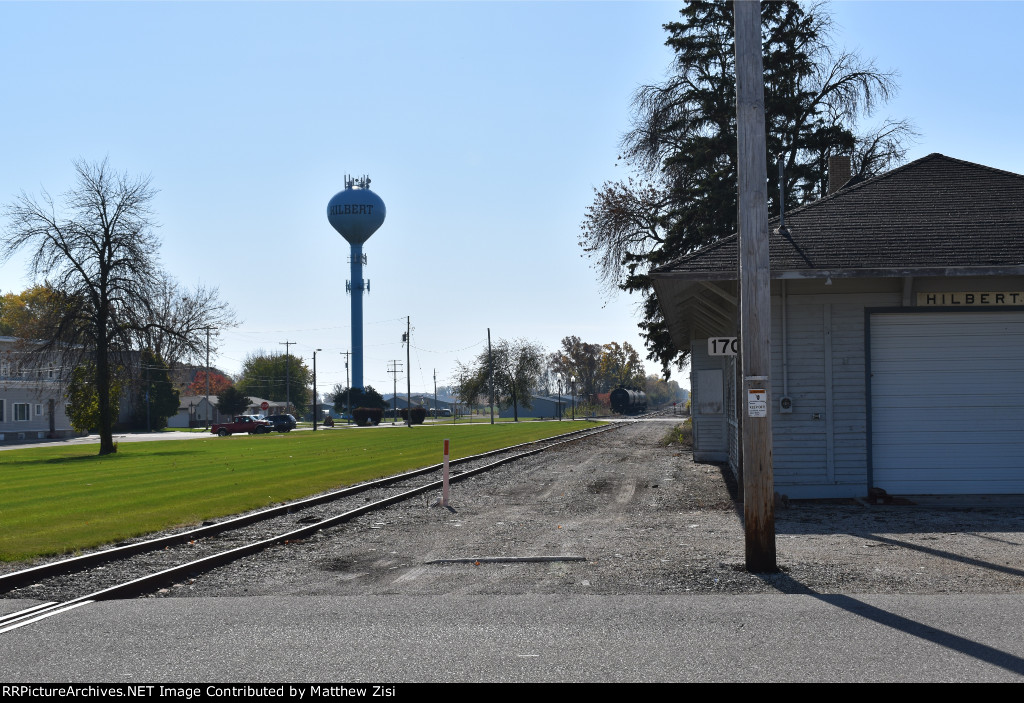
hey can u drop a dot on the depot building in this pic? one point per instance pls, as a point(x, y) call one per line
point(897, 308)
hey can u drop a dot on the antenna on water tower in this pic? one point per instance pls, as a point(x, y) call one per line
point(356, 212)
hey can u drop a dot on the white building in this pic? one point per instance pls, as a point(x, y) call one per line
point(32, 403)
point(897, 336)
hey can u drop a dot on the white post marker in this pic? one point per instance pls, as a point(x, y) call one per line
point(444, 478)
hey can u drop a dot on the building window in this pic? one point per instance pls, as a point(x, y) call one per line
point(39, 410)
point(2, 403)
point(21, 411)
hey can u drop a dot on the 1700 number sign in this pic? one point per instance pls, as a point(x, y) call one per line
point(723, 346)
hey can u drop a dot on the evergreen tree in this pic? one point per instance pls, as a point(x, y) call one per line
point(232, 401)
point(155, 393)
point(682, 147)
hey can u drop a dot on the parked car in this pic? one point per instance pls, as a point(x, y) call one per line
point(242, 423)
point(282, 423)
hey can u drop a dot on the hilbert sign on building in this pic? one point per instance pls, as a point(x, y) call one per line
point(897, 338)
point(989, 297)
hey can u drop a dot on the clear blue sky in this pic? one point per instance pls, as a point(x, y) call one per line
point(485, 127)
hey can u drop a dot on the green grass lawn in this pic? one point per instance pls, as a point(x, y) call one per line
point(56, 500)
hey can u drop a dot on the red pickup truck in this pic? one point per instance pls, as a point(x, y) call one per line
point(242, 423)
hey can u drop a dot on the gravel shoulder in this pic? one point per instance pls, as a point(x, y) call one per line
point(645, 519)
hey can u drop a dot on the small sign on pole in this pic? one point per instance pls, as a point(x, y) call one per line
point(444, 477)
point(757, 402)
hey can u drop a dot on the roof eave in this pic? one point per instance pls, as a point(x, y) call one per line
point(894, 272)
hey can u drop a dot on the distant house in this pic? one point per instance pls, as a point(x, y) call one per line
point(32, 403)
point(897, 333)
point(194, 411)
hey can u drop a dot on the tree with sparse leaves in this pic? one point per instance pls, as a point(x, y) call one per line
point(98, 254)
point(513, 366)
point(682, 149)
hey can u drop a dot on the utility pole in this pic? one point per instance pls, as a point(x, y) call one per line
point(755, 291)
point(315, 408)
point(287, 379)
point(408, 374)
point(348, 391)
point(559, 406)
point(207, 378)
point(490, 372)
point(435, 395)
point(394, 370)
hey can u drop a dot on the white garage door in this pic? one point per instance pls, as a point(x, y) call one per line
point(947, 402)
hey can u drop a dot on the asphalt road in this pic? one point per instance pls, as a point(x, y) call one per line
point(770, 638)
point(162, 436)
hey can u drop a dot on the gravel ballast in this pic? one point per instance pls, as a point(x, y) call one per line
point(619, 514)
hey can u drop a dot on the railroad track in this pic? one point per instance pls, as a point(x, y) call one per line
point(170, 558)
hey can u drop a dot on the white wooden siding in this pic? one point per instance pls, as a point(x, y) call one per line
point(826, 456)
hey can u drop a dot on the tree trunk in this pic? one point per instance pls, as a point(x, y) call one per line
point(106, 427)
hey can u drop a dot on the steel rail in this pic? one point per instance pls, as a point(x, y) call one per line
point(147, 583)
point(33, 574)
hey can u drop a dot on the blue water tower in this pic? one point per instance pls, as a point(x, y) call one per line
point(356, 212)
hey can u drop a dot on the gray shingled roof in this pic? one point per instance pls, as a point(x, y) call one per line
point(933, 213)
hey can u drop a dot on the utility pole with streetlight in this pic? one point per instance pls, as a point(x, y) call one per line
point(348, 391)
point(287, 379)
point(572, 380)
point(558, 407)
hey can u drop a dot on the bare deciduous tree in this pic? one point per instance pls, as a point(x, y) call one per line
point(100, 256)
